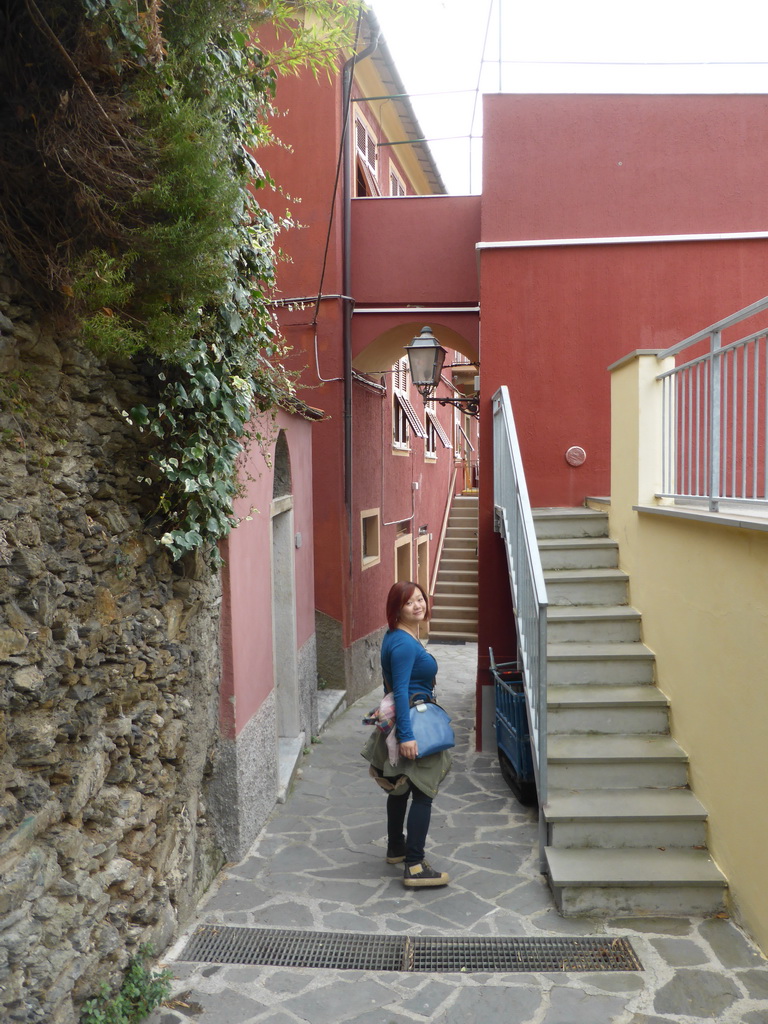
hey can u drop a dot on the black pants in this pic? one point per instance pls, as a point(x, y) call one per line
point(418, 823)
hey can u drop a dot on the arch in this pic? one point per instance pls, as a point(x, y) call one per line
point(384, 351)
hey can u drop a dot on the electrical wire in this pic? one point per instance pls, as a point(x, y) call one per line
point(477, 87)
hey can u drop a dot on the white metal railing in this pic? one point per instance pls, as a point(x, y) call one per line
point(715, 416)
point(514, 521)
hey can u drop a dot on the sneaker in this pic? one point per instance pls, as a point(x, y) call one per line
point(419, 876)
point(396, 854)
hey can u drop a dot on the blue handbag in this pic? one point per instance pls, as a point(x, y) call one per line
point(431, 727)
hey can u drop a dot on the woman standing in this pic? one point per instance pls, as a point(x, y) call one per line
point(409, 670)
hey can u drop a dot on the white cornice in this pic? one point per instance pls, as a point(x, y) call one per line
point(544, 243)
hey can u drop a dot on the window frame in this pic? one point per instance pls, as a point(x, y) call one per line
point(370, 516)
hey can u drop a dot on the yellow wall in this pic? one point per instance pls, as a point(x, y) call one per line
point(385, 112)
point(702, 589)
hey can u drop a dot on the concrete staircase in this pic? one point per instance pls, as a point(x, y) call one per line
point(625, 834)
point(454, 604)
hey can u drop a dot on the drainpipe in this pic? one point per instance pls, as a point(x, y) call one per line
point(348, 302)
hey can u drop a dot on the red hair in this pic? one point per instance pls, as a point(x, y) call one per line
point(399, 594)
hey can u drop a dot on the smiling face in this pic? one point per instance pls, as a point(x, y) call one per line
point(414, 610)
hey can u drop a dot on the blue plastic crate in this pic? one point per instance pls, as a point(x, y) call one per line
point(512, 733)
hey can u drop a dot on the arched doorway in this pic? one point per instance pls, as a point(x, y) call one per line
point(285, 661)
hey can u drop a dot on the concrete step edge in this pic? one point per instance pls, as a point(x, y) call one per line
point(619, 748)
point(632, 866)
point(557, 543)
point(576, 575)
point(623, 805)
point(597, 695)
point(576, 650)
point(593, 613)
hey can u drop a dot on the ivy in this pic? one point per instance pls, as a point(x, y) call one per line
point(129, 190)
point(189, 290)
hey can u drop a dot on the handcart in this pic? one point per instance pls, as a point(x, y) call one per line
point(512, 733)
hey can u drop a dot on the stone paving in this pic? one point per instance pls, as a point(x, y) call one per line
point(319, 865)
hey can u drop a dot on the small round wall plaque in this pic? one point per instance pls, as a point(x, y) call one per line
point(575, 456)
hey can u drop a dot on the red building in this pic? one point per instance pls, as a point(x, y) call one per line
point(606, 224)
point(360, 282)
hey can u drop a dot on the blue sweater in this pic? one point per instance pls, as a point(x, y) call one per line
point(408, 669)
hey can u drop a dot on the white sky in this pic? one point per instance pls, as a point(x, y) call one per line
point(576, 46)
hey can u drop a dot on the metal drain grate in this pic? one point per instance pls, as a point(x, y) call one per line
point(424, 954)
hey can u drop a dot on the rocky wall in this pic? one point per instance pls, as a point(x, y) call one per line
point(109, 668)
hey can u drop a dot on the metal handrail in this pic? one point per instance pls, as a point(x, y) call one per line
point(443, 529)
point(513, 519)
point(715, 417)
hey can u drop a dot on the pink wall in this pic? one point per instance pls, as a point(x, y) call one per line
point(248, 672)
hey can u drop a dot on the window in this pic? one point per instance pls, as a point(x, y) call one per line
point(404, 418)
point(404, 558)
point(436, 427)
point(396, 185)
point(430, 442)
point(370, 535)
point(367, 159)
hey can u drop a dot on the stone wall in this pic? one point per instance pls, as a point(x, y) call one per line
point(109, 668)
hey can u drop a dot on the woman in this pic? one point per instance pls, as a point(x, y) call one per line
point(408, 670)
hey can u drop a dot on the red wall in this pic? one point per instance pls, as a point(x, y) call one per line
point(304, 169)
point(554, 318)
point(589, 166)
point(415, 250)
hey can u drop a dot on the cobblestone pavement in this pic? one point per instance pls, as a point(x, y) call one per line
point(319, 865)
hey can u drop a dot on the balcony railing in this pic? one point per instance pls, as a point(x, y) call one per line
point(715, 416)
point(514, 521)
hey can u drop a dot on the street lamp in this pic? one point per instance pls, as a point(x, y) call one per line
point(426, 357)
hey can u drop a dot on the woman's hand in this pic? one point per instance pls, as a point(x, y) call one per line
point(410, 750)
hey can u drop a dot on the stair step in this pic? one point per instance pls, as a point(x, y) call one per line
point(586, 586)
point(635, 882)
point(578, 553)
point(569, 522)
point(617, 819)
point(453, 599)
point(460, 590)
point(459, 573)
point(617, 663)
point(611, 623)
point(606, 709)
point(626, 761)
point(455, 624)
point(452, 636)
point(454, 611)
point(458, 552)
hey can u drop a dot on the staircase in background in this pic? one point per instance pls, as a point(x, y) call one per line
point(454, 603)
point(625, 834)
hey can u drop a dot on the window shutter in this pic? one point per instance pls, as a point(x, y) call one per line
point(411, 416)
point(439, 428)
